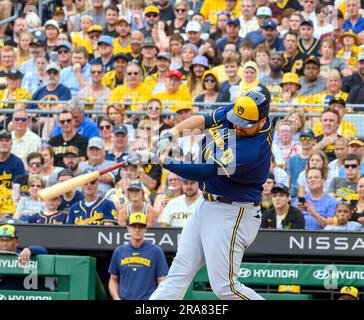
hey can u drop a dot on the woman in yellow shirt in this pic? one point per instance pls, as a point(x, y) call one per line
point(133, 93)
point(351, 49)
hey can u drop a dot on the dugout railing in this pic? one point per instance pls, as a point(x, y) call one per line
point(75, 278)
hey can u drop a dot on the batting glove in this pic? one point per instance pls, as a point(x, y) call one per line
point(146, 156)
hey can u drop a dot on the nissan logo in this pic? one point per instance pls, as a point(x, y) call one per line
point(321, 274)
point(244, 273)
point(2, 297)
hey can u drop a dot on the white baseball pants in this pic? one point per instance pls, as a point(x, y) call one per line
point(216, 234)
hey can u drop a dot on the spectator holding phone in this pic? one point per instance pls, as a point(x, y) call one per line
point(317, 206)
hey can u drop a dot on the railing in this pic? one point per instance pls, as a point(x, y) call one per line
point(14, 16)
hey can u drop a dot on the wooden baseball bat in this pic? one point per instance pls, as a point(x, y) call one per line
point(71, 184)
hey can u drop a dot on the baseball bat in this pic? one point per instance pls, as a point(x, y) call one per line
point(71, 184)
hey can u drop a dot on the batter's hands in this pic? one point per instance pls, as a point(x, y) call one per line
point(24, 256)
point(166, 139)
point(146, 156)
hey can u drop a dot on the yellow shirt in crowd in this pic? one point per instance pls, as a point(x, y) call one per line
point(109, 79)
point(221, 74)
point(79, 41)
point(141, 93)
point(6, 201)
point(18, 95)
point(210, 9)
point(181, 97)
point(118, 48)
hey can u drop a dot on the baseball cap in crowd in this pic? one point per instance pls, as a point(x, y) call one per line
point(337, 101)
point(136, 185)
point(151, 9)
point(291, 77)
point(106, 40)
point(312, 59)
point(53, 23)
point(249, 109)
point(123, 18)
point(210, 72)
point(280, 187)
point(307, 133)
point(65, 173)
point(63, 43)
point(72, 150)
point(235, 21)
point(357, 141)
point(120, 129)
point(307, 22)
point(250, 64)
point(193, 26)
point(38, 38)
point(53, 66)
point(269, 24)
point(95, 28)
point(164, 55)
point(5, 134)
point(351, 291)
point(96, 142)
point(149, 42)
point(14, 74)
point(8, 231)
point(200, 60)
point(121, 55)
point(137, 218)
point(181, 107)
point(264, 12)
point(174, 73)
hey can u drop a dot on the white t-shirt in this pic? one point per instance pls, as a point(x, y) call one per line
point(176, 213)
point(279, 220)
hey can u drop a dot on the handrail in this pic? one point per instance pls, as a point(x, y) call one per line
point(14, 16)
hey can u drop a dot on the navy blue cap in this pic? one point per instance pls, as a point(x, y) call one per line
point(279, 187)
point(120, 129)
point(14, 74)
point(307, 21)
point(5, 134)
point(269, 24)
point(307, 133)
point(65, 173)
point(235, 21)
point(121, 55)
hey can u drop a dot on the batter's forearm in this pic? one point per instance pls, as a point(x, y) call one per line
point(192, 123)
point(196, 172)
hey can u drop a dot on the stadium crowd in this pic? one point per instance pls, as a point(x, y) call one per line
point(88, 62)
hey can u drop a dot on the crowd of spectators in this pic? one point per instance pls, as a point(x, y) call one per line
point(83, 64)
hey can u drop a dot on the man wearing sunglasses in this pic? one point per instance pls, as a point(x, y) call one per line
point(121, 148)
point(345, 188)
point(68, 137)
point(152, 17)
point(9, 242)
point(24, 140)
point(64, 54)
point(10, 165)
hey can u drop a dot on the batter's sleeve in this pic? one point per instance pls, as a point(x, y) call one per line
point(192, 171)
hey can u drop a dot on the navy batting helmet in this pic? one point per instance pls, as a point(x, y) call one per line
point(248, 109)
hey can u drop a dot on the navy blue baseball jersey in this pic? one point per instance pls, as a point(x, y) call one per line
point(59, 217)
point(100, 212)
point(10, 169)
point(66, 205)
point(138, 270)
point(235, 168)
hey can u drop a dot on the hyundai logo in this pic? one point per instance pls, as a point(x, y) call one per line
point(2, 297)
point(244, 273)
point(321, 274)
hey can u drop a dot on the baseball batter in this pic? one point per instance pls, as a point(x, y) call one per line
point(227, 221)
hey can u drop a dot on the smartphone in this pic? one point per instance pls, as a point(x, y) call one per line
point(301, 199)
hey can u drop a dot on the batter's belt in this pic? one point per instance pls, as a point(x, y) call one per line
point(214, 198)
